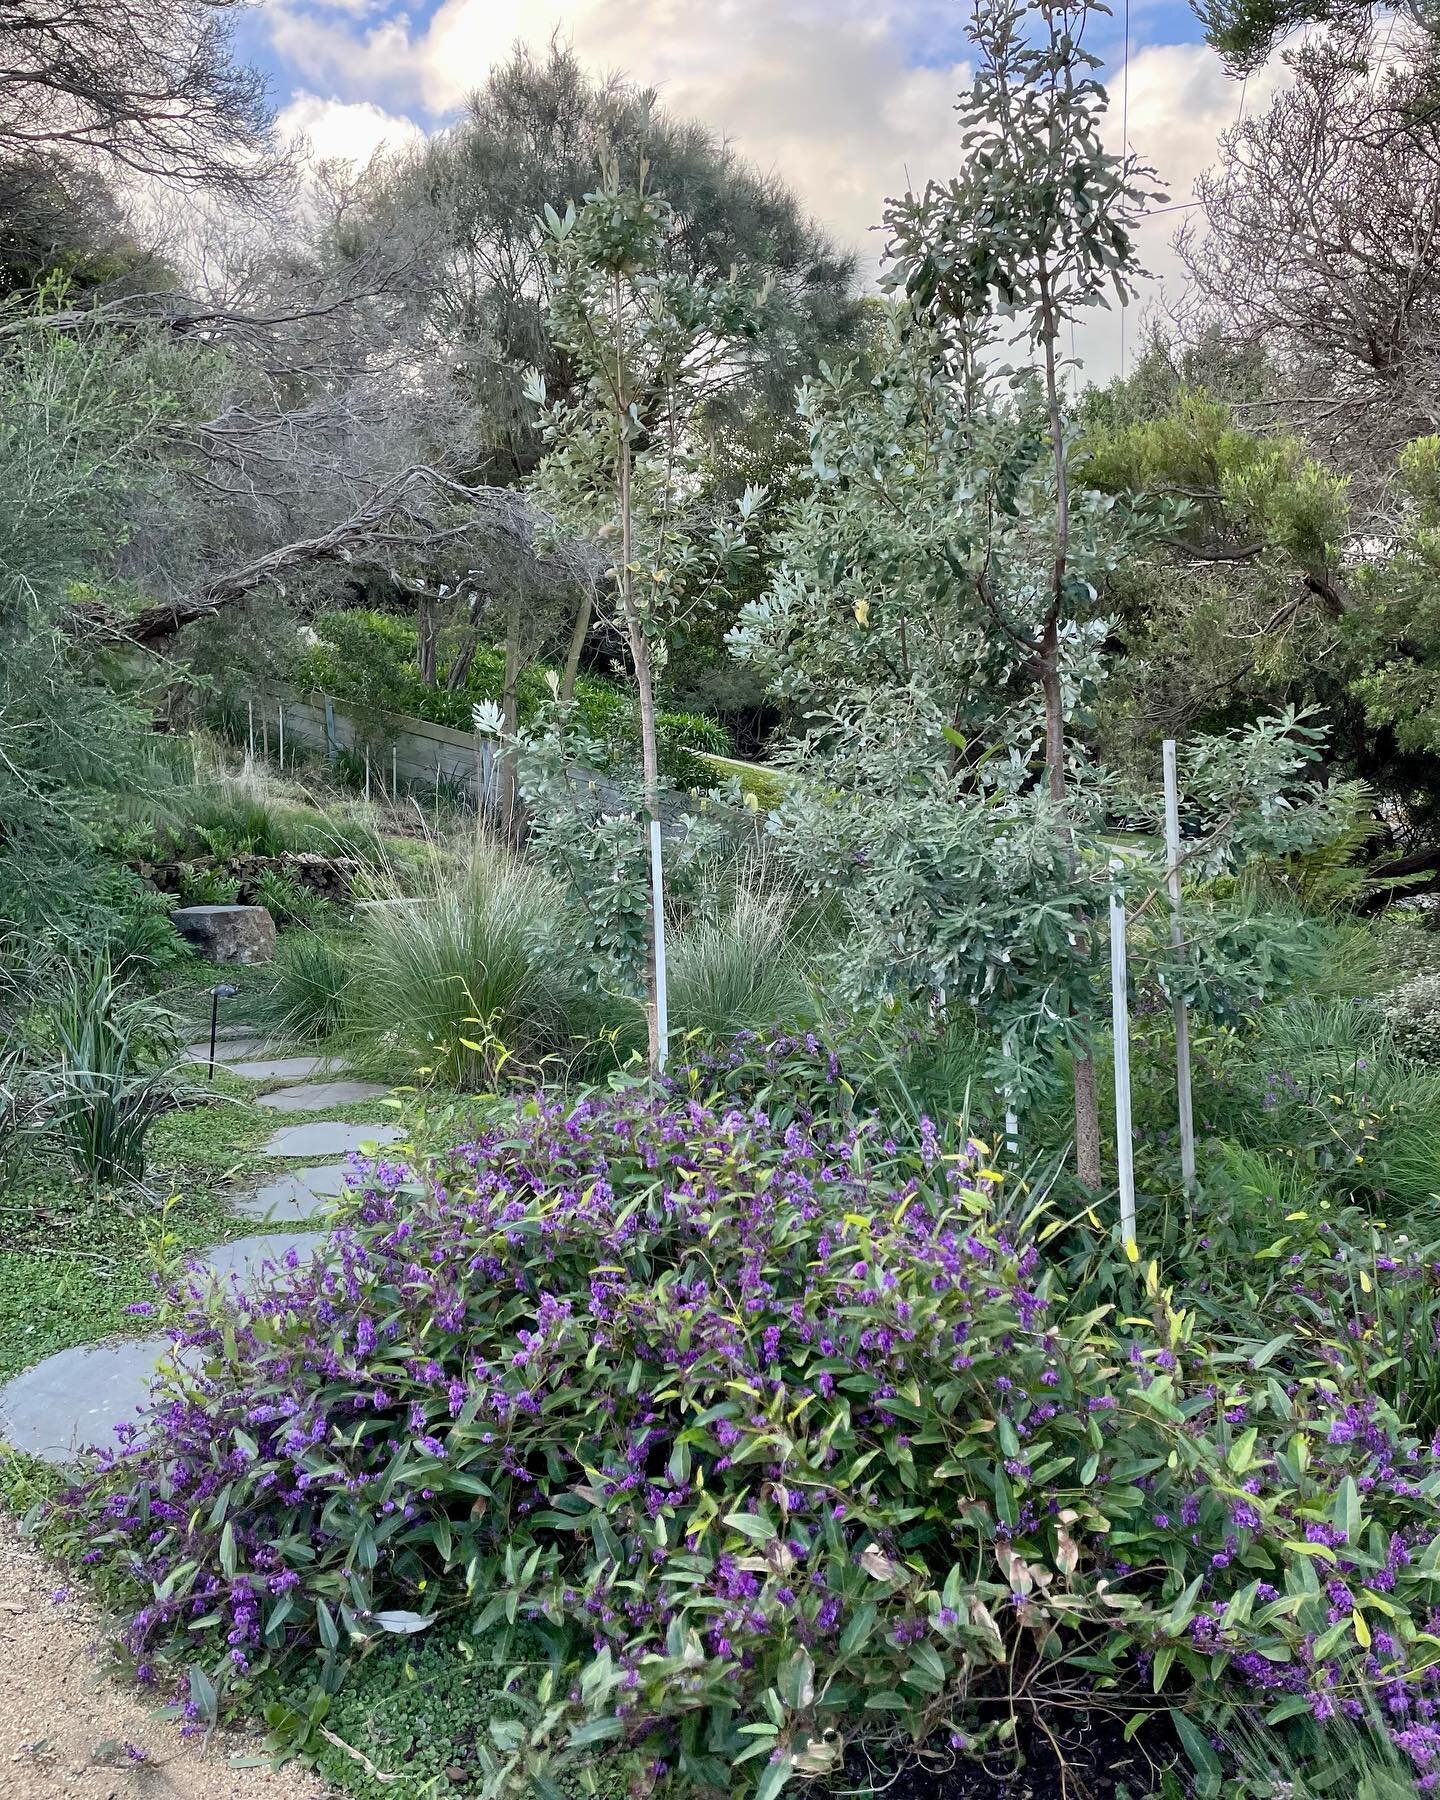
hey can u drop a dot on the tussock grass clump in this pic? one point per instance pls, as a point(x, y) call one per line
point(1323, 1083)
point(89, 1069)
point(313, 979)
point(746, 968)
point(469, 974)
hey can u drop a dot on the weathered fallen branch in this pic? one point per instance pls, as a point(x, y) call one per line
point(398, 516)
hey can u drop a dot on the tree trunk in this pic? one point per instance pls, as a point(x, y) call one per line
point(510, 712)
point(577, 644)
point(645, 686)
point(1087, 1101)
point(650, 762)
point(1087, 1120)
point(427, 640)
point(459, 671)
point(1054, 695)
point(1417, 872)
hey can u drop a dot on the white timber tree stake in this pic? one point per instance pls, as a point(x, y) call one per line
point(1012, 1123)
point(394, 771)
point(250, 704)
point(1177, 939)
point(657, 907)
point(367, 774)
point(1120, 1031)
point(280, 704)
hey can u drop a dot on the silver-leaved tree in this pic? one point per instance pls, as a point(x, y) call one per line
point(937, 621)
point(1038, 228)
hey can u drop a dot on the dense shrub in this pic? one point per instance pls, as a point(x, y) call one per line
point(1323, 1084)
point(1413, 1015)
point(370, 658)
point(777, 1441)
point(288, 901)
point(681, 739)
point(248, 821)
point(254, 815)
point(88, 907)
point(207, 887)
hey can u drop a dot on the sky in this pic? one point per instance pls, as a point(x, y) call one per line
point(851, 100)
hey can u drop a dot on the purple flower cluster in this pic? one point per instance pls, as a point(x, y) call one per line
point(715, 1393)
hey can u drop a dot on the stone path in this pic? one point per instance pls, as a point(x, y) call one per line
point(328, 1137)
point(279, 1068)
point(248, 1263)
point(257, 1058)
point(76, 1398)
point(227, 1050)
point(311, 1096)
point(303, 1195)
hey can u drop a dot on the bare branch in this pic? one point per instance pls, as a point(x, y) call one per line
point(147, 86)
point(391, 519)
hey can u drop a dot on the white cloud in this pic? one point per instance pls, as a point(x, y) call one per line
point(358, 9)
point(825, 91)
point(353, 129)
point(820, 89)
point(1181, 100)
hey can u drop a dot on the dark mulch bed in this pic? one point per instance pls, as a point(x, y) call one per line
point(1084, 1755)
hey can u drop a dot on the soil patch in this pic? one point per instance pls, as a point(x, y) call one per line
point(68, 1729)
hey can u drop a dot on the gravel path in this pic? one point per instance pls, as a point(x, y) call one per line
point(65, 1729)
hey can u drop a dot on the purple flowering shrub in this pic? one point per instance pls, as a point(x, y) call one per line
point(775, 1439)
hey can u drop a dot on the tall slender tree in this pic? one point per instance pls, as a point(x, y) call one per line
point(1037, 228)
point(651, 350)
point(465, 203)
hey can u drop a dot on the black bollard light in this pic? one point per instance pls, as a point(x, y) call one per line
point(222, 991)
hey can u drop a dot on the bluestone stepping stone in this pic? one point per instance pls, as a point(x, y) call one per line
point(280, 1068)
point(230, 1034)
point(247, 1258)
point(311, 1096)
point(77, 1397)
point(298, 1196)
point(228, 1050)
point(327, 1137)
